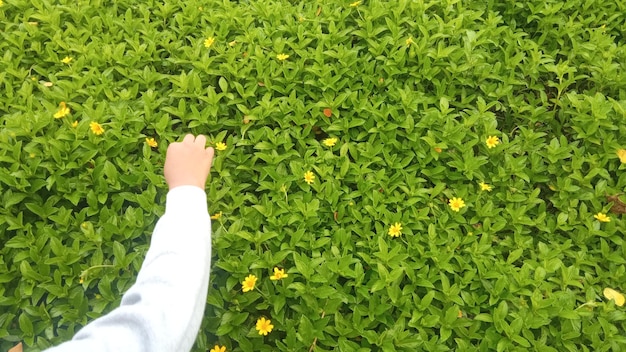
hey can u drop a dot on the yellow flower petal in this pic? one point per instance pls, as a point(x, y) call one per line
point(278, 274)
point(492, 141)
point(456, 204)
point(264, 326)
point(152, 142)
point(309, 177)
point(395, 230)
point(282, 57)
point(96, 128)
point(621, 153)
point(220, 146)
point(330, 142)
point(602, 217)
point(610, 293)
point(209, 42)
point(248, 283)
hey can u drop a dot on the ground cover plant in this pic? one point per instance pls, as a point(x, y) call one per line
point(390, 175)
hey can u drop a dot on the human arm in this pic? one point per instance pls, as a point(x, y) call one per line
point(163, 310)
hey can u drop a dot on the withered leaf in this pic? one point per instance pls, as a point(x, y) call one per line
point(618, 207)
point(16, 348)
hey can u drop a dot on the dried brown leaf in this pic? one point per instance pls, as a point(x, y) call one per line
point(16, 348)
point(618, 207)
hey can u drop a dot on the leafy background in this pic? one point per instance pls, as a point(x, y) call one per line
point(414, 87)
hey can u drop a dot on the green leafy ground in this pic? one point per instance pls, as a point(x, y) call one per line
point(414, 89)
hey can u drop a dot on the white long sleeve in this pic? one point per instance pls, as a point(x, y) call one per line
point(163, 310)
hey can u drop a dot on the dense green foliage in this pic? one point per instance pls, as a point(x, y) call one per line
point(413, 90)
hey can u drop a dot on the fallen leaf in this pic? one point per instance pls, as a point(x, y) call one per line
point(261, 84)
point(438, 150)
point(618, 207)
point(16, 348)
point(319, 10)
point(328, 112)
point(48, 84)
point(621, 153)
point(610, 293)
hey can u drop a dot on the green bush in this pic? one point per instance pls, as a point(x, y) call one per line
point(411, 90)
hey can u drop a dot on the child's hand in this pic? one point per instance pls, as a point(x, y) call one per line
point(188, 163)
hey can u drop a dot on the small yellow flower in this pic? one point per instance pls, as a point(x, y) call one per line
point(602, 217)
point(96, 128)
point(282, 57)
point(248, 283)
point(152, 143)
point(492, 141)
point(233, 43)
point(621, 153)
point(264, 326)
point(356, 3)
point(220, 146)
point(217, 348)
point(485, 187)
point(610, 293)
point(409, 41)
point(395, 230)
point(67, 60)
point(81, 280)
point(456, 203)
point(330, 142)
point(63, 111)
point(309, 177)
point(208, 42)
point(75, 124)
point(216, 216)
point(278, 274)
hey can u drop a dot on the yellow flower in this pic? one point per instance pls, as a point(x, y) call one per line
point(330, 142)
point(81, 280)
point(217, 348)
point(309, 177)
point(208, 42)
point(75, 124)
point(610, 293)
point(67, 60)
point(282, 57)
point(456, 203)
point(151, 142)
point(621, 153)
point(96, 128)
point(63, 110)
point(485, 187)
point(248, 283)
point(264, 326)
point(220, 146)
point(216, 216)
point(395, 230)
point(233, 43)
point(602, 217)
point(278, 274)
point(356, 3)
point(409, 41)
point(1, 3)
point(492, 141)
